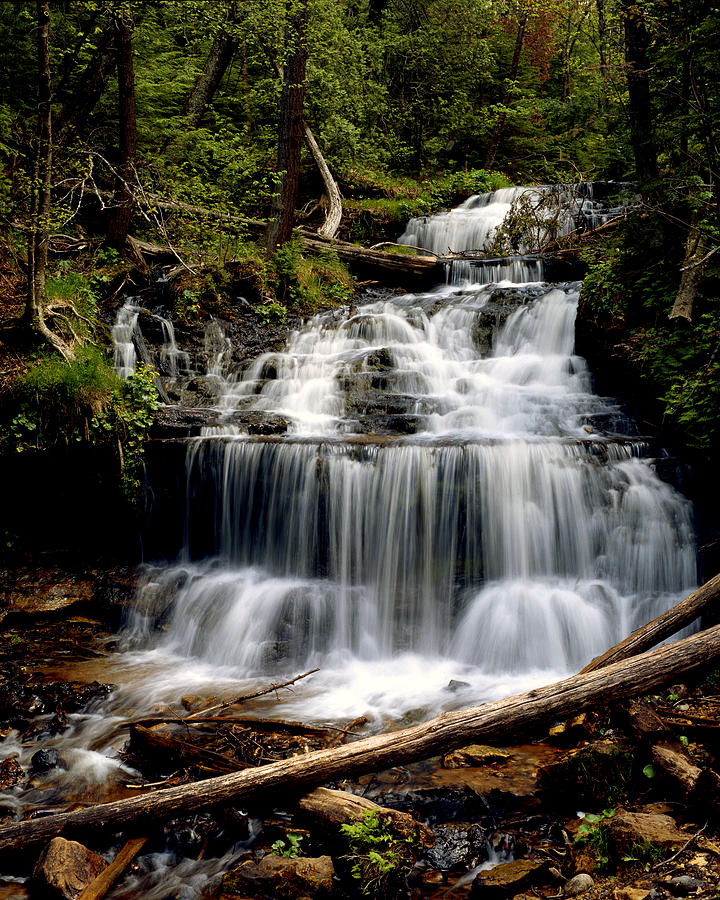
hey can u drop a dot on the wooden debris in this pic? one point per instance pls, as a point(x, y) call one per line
point(441, 734)
point(107, 878)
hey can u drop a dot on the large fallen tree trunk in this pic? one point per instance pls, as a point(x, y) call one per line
point(663, 626)
point(491, 721)
point(410, 268)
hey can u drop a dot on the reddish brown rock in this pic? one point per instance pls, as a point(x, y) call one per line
point(281, 878)
point(509, 879)
point(11, 773)
point(627, 830)
point(66, 868)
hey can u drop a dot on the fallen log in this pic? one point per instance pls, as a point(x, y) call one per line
point(331, 807)
point(491, 721)
point(98, 888)
point(663, 626)
point(411, 268)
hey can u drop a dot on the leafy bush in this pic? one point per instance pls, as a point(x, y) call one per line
point(380, 858)
point(592, 833)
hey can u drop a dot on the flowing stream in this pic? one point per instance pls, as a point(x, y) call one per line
point(452, 515)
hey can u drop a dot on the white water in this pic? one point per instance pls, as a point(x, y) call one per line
point(441, 510)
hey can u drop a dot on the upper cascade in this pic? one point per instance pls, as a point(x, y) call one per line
point(543, 212)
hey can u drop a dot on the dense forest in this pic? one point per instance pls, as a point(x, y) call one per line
point(129, 129)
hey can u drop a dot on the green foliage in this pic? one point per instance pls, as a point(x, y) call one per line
point(592, 833)
point(380, 858)
point(290, 847)
point(187, 305)
point(60, 403)
point(644, 854)
point(271, 312)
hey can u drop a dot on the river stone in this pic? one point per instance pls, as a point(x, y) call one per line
point(682, 885)
point(474, 755)
point(627, 829)
point(508, 879)
point(46, 760)
point(66, 868)
point(578, 884)
point(282, 878)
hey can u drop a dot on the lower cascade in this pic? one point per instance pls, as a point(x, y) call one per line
point(451, 514)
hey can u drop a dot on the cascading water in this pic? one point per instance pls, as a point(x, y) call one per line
point(445, 506)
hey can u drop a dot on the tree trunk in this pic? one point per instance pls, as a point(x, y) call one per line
point(691, 275)
point(39, 233)
point(122, 213)
point(491, 721)
point(514, 67)
point(334, 213)
point(663, 626)
point(219, 58)
point(637, 41)
point(91, 84)
point(290, 134)
point(602, 50)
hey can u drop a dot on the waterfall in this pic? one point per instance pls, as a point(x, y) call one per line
point(451, 502)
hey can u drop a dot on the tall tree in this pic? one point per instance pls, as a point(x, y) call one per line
point(497, 134)
point(216, 64)
point(39, 232)
point(637, 42)
point(127, 129)
point(290, 131)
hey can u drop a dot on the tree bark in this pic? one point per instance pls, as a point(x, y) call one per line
point(334, 213)
point(39, 233)
point(691, 275)
point(491, 721)
point(663, 626)
point(637, 41)
point(127, 122)
point(217, 62)
point(290, 132)
point(514, 67)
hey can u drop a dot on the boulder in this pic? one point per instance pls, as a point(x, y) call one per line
point(578, 884)
point(627, 830)
point(66, 868)
point(281, 878)
point(509, 879)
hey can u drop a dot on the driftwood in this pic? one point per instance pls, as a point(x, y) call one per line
point(334, 214)
point(491, 721)
point(663, 626)
point(331, 807)
point(98, 888)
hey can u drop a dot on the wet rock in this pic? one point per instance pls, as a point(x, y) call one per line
point(11, 773)
point(455, 846)
point(628, 829)
point(454, 686)
point(682, 885)
point(282, 878)
point(66, 868)
point(474, 755)
point(578, 884)
point(509, 879)
point(46, 760)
